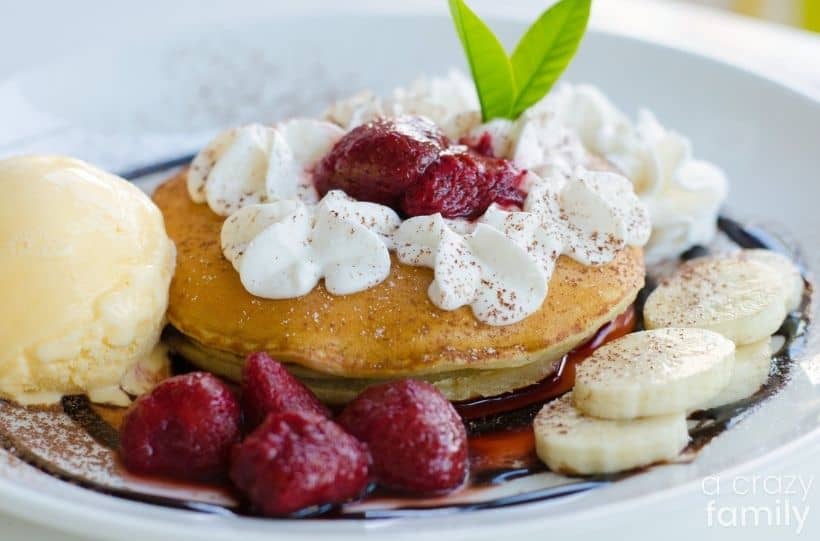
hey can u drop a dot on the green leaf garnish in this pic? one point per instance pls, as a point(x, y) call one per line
point(546, 49)
point(508, 86)
point(488, 61)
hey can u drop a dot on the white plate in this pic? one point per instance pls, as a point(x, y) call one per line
point(129, 106)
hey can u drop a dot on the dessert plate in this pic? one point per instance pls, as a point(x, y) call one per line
point(144, 108)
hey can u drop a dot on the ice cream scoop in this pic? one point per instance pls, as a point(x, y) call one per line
point(86, 266)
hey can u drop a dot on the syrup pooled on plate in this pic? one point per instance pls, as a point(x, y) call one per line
point(554, 385)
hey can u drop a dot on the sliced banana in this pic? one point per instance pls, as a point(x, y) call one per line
point(572, 443)
point(751, 370)
point(787, 271)
point(742, 299)
point(653, 373)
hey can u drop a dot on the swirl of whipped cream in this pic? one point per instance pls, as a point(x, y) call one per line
point(501, 265)
point(683, 194)
point(282, 249)
point(570, 127)
point(255, 164)
point(451, 102)
point(537, 141)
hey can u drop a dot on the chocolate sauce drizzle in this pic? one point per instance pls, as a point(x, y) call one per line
point(78, 408)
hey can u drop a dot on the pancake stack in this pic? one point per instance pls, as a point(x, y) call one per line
point(338, 345)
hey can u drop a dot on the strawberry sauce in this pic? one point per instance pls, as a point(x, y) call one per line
point(501, 441)
point(553, 386)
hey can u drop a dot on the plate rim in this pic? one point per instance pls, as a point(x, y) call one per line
point(25, 502)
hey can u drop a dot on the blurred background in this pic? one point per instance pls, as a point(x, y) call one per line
point(710, 26)
point(800, 13)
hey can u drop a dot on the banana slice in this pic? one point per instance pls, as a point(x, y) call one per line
point(572, 443)
point(751, 370)
point(653, 373)
point(742, 299)
point(789, 274)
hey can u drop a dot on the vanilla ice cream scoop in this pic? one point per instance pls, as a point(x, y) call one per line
point(86, 266)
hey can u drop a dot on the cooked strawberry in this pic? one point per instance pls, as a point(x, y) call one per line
point(417, 440)
point(267, 387)
point(462, 184)
point(184, 428)
point(378, 161)
point(297, 460)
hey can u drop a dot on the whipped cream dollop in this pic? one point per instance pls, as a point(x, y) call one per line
point(282, 249)
point(596, 183)
point(501, 264)
point(450, 102)
point(683, 194)
point(255, 163)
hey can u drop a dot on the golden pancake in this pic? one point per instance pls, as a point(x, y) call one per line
point(388, 331)
point(456, 385)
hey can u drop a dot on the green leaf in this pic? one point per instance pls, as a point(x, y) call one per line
point(546, 50)
point(489, 64)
